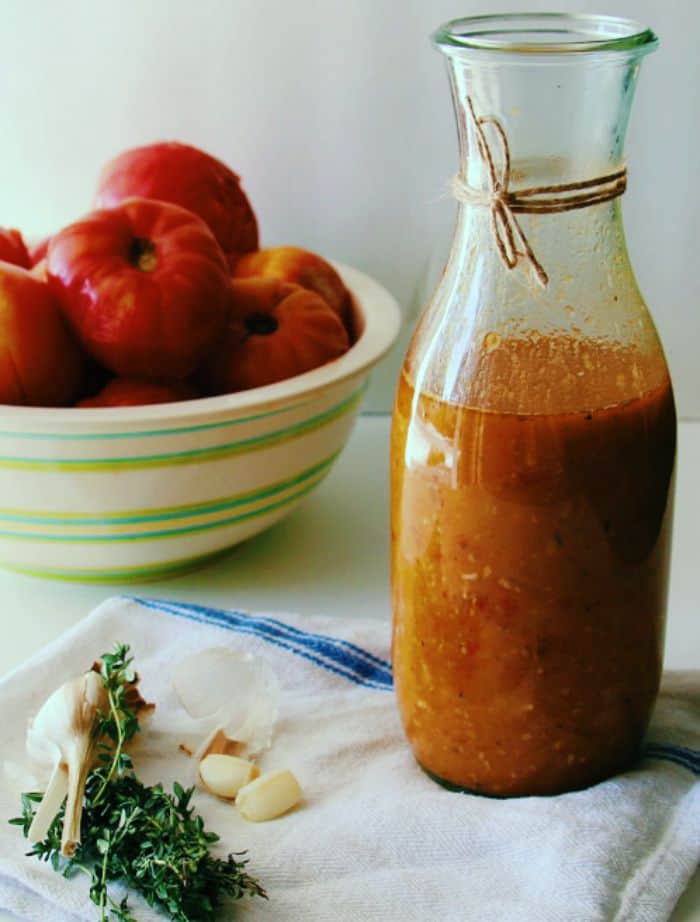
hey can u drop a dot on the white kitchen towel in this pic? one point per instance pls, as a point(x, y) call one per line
point(376, 839)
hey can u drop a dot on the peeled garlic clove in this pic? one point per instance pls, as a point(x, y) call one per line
point(231, 692)
point(269, 796)
point(215, 743)
point(224, 775)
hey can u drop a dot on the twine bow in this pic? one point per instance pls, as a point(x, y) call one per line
point(505, 203)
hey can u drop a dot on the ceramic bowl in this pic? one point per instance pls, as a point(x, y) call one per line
point(136, 493)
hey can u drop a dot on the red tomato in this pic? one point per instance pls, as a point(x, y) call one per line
point(185, 176)
point(39, 250)
point(13, 249)
point(144, 285)
point(276, 330)
point(301, 267)
point(132, 392)
point(40, 362)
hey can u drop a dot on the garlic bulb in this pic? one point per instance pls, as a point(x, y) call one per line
point(229, 693)
point(64, 735)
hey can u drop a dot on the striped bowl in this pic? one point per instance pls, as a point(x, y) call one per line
point(137, 493)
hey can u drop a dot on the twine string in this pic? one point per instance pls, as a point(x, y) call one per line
point(504, 203)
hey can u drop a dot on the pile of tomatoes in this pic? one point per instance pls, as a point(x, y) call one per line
point(162, 294)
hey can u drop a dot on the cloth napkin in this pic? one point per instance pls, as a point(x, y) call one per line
point(375, 838)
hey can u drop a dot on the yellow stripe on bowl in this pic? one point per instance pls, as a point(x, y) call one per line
point(68, 520)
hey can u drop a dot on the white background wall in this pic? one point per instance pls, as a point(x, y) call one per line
point(336, 113)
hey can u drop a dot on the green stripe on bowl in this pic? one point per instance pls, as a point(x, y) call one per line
point(166, 532)
point(145, 433)
point(138, 574)
point(164, 513)
point(171, 459)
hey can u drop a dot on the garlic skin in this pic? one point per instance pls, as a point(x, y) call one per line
point(231, 694)
point(64, 735)
point(220, 744)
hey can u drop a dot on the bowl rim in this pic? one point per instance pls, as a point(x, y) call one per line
point(380, 319)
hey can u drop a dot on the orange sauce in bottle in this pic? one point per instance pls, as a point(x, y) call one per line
point(530, 556)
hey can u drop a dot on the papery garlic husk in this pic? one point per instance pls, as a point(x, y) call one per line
point(64, 735)
point(230, 693)
point(219, 744)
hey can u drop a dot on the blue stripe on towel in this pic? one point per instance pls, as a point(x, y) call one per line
point(680, 755)
point(331, 653)
point(303, 636)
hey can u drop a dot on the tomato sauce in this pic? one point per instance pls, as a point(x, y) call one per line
point(530, 556)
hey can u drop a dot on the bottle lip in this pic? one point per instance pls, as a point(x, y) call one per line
point(544, 34)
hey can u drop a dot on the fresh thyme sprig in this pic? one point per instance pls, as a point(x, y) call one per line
point(142, 836)
point(121, 723)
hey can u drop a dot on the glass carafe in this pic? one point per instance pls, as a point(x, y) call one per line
point(533, 437)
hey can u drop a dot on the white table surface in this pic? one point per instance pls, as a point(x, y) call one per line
point(331, 556)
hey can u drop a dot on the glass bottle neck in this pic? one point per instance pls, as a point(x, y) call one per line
point(563, 121)
point(523, 125)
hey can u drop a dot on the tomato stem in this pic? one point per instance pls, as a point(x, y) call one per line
point(142, 254)
point(260, 324)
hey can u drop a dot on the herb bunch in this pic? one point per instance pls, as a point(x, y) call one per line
point(142, 836)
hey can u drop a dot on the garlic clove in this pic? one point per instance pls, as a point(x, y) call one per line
point(80, 761)
point(231, 692)
point(268, 796)
point(54, 796)
point(224, 775)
